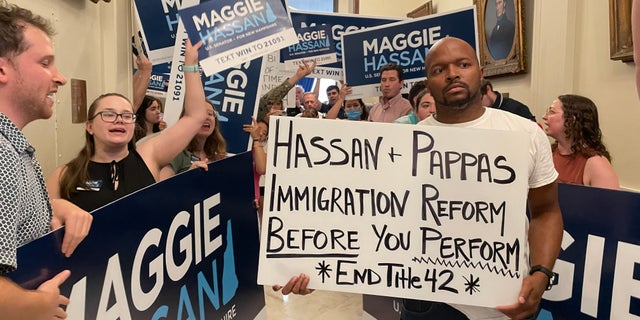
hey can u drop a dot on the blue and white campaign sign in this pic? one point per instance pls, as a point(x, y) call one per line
point(314, 43)
point(339, 24)
point(158, 23)
point(159, 81)
point(393, 210)
point(185, 248)
point(404, 43)
point(234, 93)
point(596, 272)
point(236, 31)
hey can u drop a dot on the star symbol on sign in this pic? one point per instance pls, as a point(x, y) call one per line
point(392, 155)
point(323, 270)
point(472, 284)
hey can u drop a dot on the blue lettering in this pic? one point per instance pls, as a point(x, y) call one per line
point(161, 313)
point(204, 288)
point(185, 302)
point(214, 92)
point(171, 23)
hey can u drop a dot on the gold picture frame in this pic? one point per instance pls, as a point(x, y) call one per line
point(421, 11)
point(621, 43)
point(498, 55)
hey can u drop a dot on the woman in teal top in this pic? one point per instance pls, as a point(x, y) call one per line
point(208, 145)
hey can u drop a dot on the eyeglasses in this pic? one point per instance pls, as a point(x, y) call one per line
point(110, 116)
point(550, 112)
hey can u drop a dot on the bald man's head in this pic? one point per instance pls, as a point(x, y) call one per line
point(453, 73)
point(449, 43)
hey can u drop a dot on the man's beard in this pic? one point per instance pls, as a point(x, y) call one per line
point(460, 103)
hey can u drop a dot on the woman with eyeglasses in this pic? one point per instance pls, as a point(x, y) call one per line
point(208, 145)
point(110, 166)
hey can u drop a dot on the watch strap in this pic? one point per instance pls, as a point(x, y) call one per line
point(190, 68)
point(549, 273)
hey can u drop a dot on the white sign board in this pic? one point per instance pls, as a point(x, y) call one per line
point(432, 213)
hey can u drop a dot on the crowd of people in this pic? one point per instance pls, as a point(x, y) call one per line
point(111, 165)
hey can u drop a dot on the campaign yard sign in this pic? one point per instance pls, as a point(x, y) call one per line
point(419, 212)
point(232, 91)
point(158, 23)
point(339, 23)
point(314, 43)
point(159, 81)
point(404, 43)
point(184, 248)
point(236, 31)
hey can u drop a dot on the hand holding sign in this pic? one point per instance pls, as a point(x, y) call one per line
point(55, 299)
point(191, 53)
point(296, 285)
point(529, 298)
point(77, 223)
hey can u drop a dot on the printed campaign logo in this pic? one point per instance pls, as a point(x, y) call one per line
point(159, 81)
point(405, 43)
point(158, 23)
point(314, 43)
point(221, 28)
point(233, 32)
point(233, 93)
point(189, 251)
point(339, 25)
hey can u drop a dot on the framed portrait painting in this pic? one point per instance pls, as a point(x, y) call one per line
point(501, 36)
point(621, 43)
point(421, 11)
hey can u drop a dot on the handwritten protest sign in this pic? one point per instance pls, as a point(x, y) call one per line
point(314, 43)
point(595, 276)
point(339, 24)
point(404, 43)
point(396, 210)
point(236, 31)
point(273, 74)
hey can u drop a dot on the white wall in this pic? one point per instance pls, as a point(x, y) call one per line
point(91, 44)
point(611, 85)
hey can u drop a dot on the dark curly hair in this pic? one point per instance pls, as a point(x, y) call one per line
point(582, 126)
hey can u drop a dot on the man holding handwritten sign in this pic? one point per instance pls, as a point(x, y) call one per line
point(422, 212)
point(453, 78)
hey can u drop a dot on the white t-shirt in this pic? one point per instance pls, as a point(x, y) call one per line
point(541, 172)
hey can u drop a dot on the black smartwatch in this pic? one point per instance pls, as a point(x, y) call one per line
point(547, 272)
